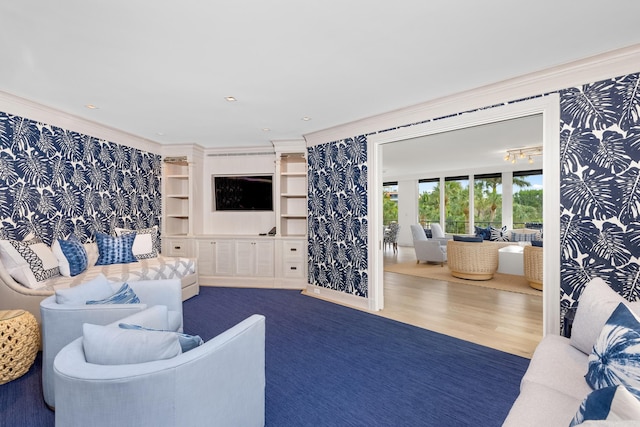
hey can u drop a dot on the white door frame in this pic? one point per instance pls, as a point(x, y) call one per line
point(549, 107)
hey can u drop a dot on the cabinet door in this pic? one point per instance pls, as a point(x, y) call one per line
point(264, 258)
point(254, 258)
point(224, 257)
point(206, 257)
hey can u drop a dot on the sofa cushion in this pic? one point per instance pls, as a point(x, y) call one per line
point(485, 233)
point(541, 406)
point(145, 245)
point(115, 250)
point(30, 262)
point(615, 358)
point(477, 239)
point(557, 365)
point(124, 295)
point(595, 305)
point(609, 403)
point(97, 288)
point(187, 342)
point(71, 254)
point(108, 345)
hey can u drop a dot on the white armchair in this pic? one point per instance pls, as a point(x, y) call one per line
point(62, 323)
point(219, 383)
point(427, 250)
point(438, 235)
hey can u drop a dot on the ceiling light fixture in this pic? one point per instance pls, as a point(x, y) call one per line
point(91, 107)
point(522, 153)
point(306, 119)
point(230, 98)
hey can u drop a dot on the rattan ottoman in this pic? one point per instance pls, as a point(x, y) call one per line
point(19, 343)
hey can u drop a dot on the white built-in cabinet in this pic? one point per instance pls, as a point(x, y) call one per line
point(278, 261)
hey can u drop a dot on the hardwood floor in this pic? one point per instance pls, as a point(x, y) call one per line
point(506, 321)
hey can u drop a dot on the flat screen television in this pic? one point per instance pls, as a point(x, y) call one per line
point(242, 192)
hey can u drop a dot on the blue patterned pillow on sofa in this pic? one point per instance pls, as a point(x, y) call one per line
point(615, 358)
point(124, 295)
point(115, 250)
point(485, 233)
point(609, 403)
point(499, 234)
point(75, 256)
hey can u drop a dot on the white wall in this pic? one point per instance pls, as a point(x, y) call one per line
point(235, 163)
point(407, 210)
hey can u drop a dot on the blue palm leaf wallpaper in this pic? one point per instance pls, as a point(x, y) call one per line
point(337, 224)
point(599, 190)
point(54, 182)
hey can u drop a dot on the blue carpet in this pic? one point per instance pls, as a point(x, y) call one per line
point(328, 365)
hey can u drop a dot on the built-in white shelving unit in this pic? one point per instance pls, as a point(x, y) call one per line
point(177, 197)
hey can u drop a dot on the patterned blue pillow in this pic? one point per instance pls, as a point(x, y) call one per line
point(499, 234)
point(115, 250)
point(124, 295)
point(475, 239)
point(485, 233)
point(75, 255)
point(615, 358)
point(187, 342)
point(609, 403)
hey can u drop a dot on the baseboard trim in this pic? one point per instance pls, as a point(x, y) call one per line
point(337, 297)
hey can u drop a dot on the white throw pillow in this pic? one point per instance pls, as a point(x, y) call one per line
point(108, 345)
point(595, 305)
point(95, 289)
point(30, 262)
point(145, 244)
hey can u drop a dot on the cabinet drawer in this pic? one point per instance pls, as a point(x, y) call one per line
point(293, 269)
point(293, 250)
point(178, 248)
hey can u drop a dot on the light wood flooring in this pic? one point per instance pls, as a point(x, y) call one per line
point(506, 321)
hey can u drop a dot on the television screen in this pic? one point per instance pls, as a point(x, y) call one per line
point(243, 192)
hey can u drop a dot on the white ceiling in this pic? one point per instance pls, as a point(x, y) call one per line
point(161, 69)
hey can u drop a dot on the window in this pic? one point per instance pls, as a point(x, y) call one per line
point(428, 201)
point(527, 199)
point(389, 202)
point(456, 203)
point(487, 200)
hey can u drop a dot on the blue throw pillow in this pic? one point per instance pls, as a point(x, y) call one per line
point(124, 295)
point(476, 239)
point(187, 342)
point(75, 255)
point(615, 358)
point(609, 403)
point(115, 250)
point(485, 233)
point(537, 243)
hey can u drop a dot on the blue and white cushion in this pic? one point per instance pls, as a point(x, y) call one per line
point(187, 342)
point(124, 295)
point(146, 244)
point(115, 250)
point(615, 403)
point(499, 234)
point(30, 262)
point(615, 358)
point(71, 255)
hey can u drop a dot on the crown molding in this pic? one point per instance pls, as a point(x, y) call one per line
point(15, 105)
point(599, 67)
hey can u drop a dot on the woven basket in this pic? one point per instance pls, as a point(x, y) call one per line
point(533, 266)
point(472, 260)
point(19, 343)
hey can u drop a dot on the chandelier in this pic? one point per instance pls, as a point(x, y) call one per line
point(523, 153)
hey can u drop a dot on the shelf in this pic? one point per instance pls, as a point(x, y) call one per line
point(181, 176)
point(178, 196)
point(294, 174)
point(179, 216)
point(293, 216)
point(293, 196)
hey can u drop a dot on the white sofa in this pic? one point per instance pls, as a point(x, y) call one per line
point(14, 295)
point(219, 383)
point(554, 385)
point(62, 322)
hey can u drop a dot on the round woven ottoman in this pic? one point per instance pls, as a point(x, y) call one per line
point(19, 343)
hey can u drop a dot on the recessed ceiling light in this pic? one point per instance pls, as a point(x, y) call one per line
point(230, 98)
point(160, 133)
point(306, 119)
point(266, 129)
point(91, 107)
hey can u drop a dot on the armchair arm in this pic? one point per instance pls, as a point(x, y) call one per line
point(158, 292)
